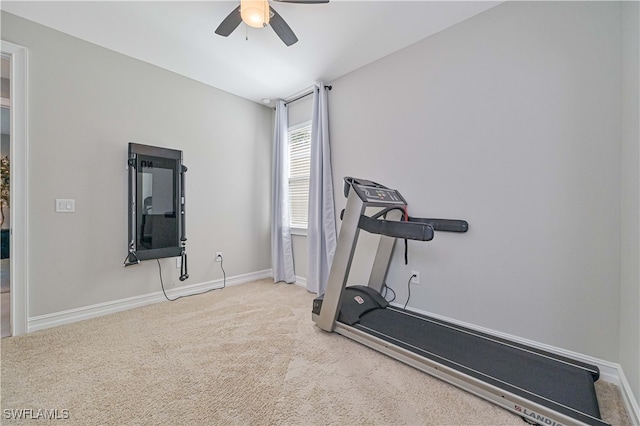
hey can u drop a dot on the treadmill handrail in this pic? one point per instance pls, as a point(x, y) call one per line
point(396, 229)
point(446, 225)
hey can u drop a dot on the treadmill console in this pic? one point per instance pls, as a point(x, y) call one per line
point(388, 196)
point(372, 192)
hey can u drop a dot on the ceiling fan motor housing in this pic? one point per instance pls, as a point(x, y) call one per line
point(255, 13)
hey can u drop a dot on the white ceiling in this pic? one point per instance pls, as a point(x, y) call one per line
point(335, 38)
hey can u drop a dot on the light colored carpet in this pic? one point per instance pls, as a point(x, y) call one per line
point(248, 354)
point(5, 317)
point(5, 298)
point(5, 275)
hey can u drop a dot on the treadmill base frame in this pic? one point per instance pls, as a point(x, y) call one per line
point(517, 405)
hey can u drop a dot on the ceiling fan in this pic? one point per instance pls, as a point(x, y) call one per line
point(258, 14)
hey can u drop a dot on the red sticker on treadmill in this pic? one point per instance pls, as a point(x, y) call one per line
point(359, 299)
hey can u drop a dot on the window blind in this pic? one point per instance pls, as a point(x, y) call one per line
point(299, 138)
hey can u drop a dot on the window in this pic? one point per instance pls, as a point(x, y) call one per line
point(299, 138)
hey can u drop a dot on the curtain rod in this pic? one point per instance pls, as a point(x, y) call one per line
point(305, 95)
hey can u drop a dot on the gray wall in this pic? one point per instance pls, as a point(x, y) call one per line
point(85, 104)
point(630, 276)
point(510, 120)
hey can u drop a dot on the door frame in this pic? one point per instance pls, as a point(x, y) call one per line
point(19, 187)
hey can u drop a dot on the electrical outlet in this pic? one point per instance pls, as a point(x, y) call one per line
point(415, 279)
point(218, 256)
point(178, 262)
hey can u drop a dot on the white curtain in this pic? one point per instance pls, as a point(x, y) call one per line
point(281, 253)
point(321, 231)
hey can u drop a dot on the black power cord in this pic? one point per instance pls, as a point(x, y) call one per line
point(224, 274)
point(409, 290)
point(224, 283)
point(386, 290)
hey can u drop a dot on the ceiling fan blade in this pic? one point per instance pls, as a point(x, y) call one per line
point(304, 1)
point(229, 23)
point(282, 29)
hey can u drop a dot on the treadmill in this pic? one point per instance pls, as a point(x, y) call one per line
point(541, 387)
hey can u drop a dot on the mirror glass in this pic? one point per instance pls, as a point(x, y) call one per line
point(156, 215)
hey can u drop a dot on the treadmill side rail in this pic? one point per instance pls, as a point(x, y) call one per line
point(341, 263)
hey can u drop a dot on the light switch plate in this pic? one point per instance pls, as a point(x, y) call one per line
point(65, 205)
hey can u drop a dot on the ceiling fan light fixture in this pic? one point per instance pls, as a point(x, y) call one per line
point(255, 13)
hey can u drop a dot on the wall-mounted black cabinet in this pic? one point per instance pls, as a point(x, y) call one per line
point(156, 203)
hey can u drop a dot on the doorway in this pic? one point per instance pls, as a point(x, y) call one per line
point(14, 129)
point(5, 185)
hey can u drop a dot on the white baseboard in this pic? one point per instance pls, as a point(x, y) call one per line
point(54, 319)
point(609, 371)
point(630, 403)
point(301, 281)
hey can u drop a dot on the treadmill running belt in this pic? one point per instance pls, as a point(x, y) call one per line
point(510, 368)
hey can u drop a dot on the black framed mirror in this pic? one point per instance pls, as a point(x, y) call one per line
point(156, 204)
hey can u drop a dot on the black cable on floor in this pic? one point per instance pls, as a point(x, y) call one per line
point(224, 283)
